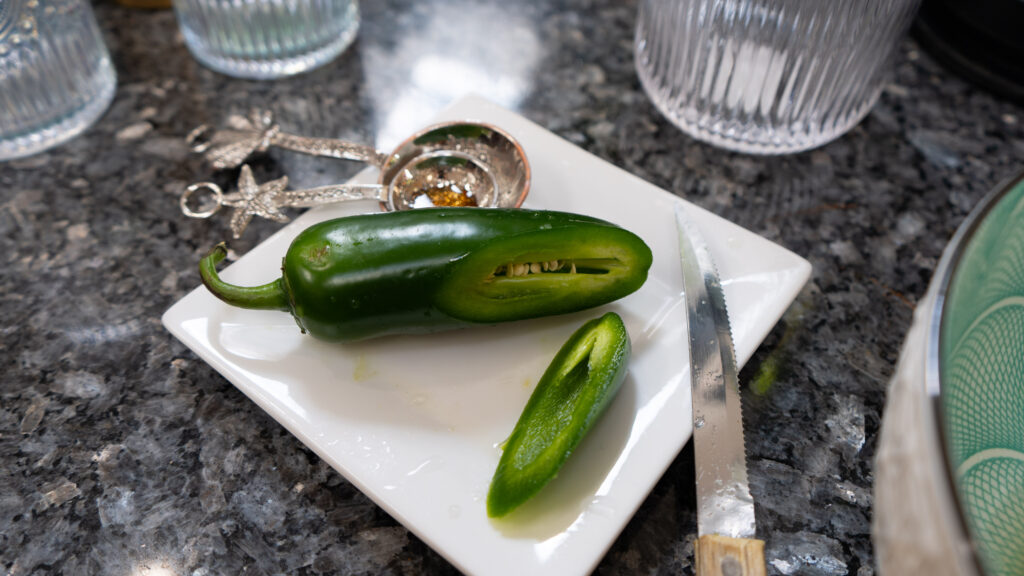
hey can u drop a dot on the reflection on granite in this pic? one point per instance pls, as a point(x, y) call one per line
point(123, 453)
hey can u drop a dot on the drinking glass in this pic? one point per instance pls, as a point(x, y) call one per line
point(767, 76)
point(56, 78)
point(263, 39)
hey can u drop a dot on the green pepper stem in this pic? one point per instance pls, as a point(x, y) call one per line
point(270, 296)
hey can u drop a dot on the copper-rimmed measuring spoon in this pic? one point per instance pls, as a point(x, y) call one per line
point(431, 179)
point(486, 144)
point(448, 164)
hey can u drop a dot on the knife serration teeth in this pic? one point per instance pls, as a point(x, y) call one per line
point(724, 501)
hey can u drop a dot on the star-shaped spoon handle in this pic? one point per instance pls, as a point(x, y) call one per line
point(267, 199)
point(247, 135)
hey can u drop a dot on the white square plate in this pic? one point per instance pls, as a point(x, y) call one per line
point(416, 422)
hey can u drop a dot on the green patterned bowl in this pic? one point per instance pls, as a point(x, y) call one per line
point(949, 474)
point(980, 359)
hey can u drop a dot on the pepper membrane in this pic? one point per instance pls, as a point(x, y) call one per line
point(432, 269)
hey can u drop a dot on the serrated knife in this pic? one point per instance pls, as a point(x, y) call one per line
point(726, 545)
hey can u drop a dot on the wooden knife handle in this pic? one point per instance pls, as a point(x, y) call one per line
point(723, 556)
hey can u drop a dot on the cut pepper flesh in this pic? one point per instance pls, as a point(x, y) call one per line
point(572, 394)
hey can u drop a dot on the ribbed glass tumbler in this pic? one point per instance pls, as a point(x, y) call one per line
point(264, 39)
point(767, 76)
point(56, 78)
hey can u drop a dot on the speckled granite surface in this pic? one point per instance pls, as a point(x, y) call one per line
point(122, 453)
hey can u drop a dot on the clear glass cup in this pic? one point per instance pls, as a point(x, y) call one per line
point(264, 39)
point(56, 78)
point(767, 76)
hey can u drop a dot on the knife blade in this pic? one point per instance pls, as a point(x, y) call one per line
point(725, 510)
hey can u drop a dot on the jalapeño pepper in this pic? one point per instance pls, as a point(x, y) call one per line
point(437, 268)
point(573, 392)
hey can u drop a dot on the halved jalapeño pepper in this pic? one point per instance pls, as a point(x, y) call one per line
point(438, 268)
point(571, 395)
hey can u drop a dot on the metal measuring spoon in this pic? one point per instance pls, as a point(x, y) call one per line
point(448, 164)
point(487, 144)
point(432, 179)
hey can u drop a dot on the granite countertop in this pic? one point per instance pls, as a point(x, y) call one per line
point(121, 452)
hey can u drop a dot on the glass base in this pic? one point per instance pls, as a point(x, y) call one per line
point(73, 125)
point(766, 141)
point(272, 68)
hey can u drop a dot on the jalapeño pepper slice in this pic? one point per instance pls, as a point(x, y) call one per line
point(438, 268)
point(573, 392)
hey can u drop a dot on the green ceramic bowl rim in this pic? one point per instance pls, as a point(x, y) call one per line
point(944, 273)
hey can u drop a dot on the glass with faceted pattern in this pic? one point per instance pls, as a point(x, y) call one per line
point(56, 78)
point(767, 76)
